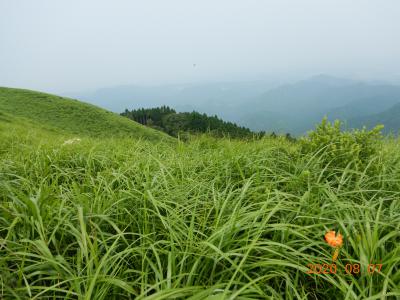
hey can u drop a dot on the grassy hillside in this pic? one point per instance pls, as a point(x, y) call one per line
point(207, 219)
point(70, 116)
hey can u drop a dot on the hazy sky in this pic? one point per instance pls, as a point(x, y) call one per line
point(69, 45)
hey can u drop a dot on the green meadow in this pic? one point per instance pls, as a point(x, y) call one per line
point(126, 212)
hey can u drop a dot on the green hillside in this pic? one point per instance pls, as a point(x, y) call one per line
point(211, 219)
point(207, 218)
point(70, 116)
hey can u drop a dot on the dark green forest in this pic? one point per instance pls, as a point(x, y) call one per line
point(173, 123)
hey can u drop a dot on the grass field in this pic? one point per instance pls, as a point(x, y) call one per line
point(123, 218)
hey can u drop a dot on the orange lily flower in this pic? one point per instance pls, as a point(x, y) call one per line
point(333, 240)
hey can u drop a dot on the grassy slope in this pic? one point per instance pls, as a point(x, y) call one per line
point(70, 116)
point(209, 219)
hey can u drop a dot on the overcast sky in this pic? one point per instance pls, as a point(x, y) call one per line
point(71, 45)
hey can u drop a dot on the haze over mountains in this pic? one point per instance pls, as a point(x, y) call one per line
point(267, 105)
point(207, 97)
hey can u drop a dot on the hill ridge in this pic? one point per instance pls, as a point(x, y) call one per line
point(71, 115)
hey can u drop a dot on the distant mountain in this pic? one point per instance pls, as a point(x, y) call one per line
point(297, 107)
point(365, 106)
point(390, 118)
point(69, 116)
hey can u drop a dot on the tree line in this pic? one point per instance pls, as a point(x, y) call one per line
point(173, 123)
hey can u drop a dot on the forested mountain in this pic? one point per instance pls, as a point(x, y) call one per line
point(168, 120)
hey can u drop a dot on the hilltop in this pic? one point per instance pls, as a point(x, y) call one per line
point(69, 115)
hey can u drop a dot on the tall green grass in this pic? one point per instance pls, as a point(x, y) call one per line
point(204, 219)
